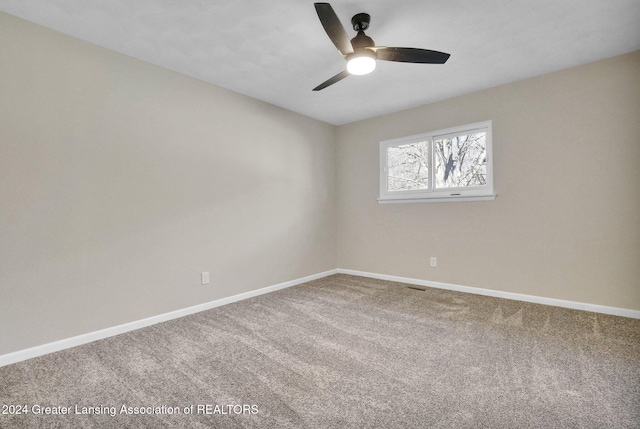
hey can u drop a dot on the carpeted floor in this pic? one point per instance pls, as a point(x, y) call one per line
point(344, 352)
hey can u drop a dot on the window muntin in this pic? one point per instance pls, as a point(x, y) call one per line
point(451, 164)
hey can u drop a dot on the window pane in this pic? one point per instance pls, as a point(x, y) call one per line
point(461, 161)
point(408, 167)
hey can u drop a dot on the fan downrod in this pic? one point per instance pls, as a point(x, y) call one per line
point(360, 21)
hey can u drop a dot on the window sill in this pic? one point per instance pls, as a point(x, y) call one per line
point(489, 197)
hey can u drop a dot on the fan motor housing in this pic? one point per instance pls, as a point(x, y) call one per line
point(362, 41)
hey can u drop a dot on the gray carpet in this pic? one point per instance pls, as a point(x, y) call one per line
point(345, 352)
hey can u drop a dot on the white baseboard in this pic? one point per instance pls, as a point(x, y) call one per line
point(624, 312)
point(55, 346)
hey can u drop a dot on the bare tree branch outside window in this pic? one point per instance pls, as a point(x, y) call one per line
point(408, 167)
point(461, 161)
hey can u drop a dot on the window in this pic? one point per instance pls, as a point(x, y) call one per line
point(447, 165)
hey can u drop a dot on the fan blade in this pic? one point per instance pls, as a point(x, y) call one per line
point(333, 80)
point(412, 55)
point(334, 28)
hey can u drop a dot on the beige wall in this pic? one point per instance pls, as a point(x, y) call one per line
point(121, 181)
point(566, 222)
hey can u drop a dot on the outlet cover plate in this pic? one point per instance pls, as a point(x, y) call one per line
point(204, 277)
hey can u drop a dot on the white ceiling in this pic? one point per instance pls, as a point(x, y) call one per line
point(277, 51)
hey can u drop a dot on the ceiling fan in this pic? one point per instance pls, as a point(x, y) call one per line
point(361, 52)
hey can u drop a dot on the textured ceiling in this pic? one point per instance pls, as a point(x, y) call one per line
point(278, 51)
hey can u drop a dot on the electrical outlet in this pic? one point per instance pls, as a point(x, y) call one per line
point(204, 276)
point(434, 261)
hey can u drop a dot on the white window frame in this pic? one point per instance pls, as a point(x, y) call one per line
point(478, 193)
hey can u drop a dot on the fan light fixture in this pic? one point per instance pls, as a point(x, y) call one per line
point(360, 63)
